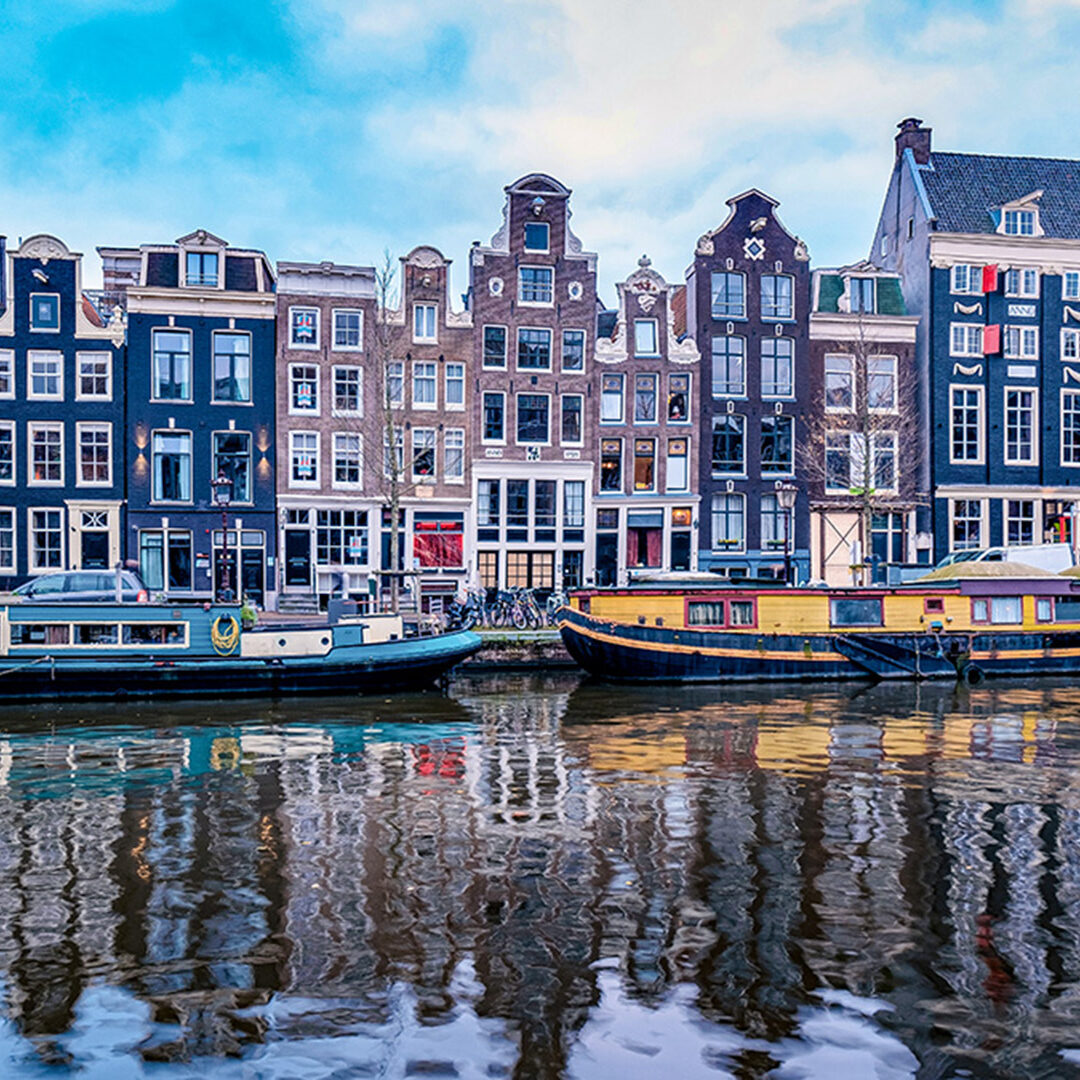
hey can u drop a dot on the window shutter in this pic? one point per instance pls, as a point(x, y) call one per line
point(991, 340)
point(990, 279)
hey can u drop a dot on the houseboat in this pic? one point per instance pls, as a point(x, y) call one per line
point(116, 650)
point(969, 620)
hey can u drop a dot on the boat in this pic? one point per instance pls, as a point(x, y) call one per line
point(968, 620)
point(120, 650)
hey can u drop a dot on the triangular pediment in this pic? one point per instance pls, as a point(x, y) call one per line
point(202, 238)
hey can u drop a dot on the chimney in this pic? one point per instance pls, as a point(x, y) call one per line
point(913, 134)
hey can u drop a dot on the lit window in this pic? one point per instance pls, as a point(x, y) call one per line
point(611, 464)
point(678, 400)
point(644, 464)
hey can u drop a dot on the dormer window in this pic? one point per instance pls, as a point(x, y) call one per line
point(861, 291)
point(201, 268)
point(1019, 223)
point(45, 312)
point(537, 236)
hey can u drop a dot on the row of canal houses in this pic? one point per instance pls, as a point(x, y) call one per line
point(923, 400)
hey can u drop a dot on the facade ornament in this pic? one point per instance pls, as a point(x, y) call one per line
point(646, 301)
point(44, 247)
point(965, 369)
point(754, 248)
point(428, 258)
point(967, 309)
point(116, 326)
point(1071, 373)
point(575, 290)
point(705, 246)
point(495, 286)
point(644, 262)
point(802, 252)
point(1071, 313)
point(758, 224)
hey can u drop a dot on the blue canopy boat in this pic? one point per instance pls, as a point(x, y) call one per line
point(115, 650)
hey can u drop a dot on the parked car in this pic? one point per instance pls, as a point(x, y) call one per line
point(82, 586)
point(1052, 557)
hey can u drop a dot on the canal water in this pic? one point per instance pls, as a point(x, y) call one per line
point(544, 877)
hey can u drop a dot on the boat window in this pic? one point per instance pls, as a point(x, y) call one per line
point(1044, 609)
point(980, 611)
point(155, 633)
point(741, 612)
point(849, 611)
point(933, 605)
point(96, 634)
point(40, 633)
point(705, 613)
point(1006, 609)
point(1067, 609)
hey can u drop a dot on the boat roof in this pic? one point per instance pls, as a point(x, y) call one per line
point(960, 571)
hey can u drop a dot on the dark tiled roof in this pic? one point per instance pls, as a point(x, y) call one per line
point(890, 299)
point(964, 188)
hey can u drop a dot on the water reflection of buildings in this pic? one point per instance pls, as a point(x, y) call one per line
point(924, 851)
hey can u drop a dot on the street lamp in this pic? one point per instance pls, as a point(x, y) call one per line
point(222, 487)
point(786, 494)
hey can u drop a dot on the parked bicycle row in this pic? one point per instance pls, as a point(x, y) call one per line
point(519, 608)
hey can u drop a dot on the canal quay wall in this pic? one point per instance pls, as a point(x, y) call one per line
point(519, 649)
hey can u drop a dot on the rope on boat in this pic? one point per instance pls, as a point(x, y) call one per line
point(31, 663)
point(224, 638)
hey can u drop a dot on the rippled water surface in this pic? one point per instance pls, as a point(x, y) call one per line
point(545, 878)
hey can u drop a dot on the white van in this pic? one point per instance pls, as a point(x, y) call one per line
point(1052, 557)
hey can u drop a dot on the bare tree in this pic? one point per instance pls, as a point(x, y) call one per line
point(863, 436)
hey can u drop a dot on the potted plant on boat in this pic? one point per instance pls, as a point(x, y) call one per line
point(249, 614)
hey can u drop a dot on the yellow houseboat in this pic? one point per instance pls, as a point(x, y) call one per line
point(968, 619)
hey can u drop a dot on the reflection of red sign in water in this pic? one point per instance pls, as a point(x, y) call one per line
point(445, 758)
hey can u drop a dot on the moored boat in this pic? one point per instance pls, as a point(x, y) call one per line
point(91, 650)
point(969, 620)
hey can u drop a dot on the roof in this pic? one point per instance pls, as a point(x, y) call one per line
point(890, 299)
point(964, 188)
point(961, 570)
point(606, 321)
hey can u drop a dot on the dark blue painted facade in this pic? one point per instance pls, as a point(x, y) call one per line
point(61, 420)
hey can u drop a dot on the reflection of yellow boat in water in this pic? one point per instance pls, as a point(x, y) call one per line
point(970, 620)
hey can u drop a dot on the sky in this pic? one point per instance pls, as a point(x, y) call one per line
point(338, 129)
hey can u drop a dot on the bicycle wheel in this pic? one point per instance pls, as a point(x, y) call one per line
point(521, 620)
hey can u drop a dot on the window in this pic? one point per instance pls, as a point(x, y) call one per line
point(394, 460)
point(777, 296)
point(7, 540)
point(1019, 223)
point(95, 454)
point(1019, 521)
point(1022, 282)
point(883, 461)
point(611, 399)
point(729, 444)
point(997, 609)
point(838, 461)
point(772, 523)
point(46, 375)
point(1020, 421)
point(573, 350)
point(94, 376)
point(574, 504)
point(1070, 344)
point(303, 328)
point(46, 540)
point(454, 455)
point(45, 312)
point(535, 284)
point(861, 292)
point(172, 365)
point(341, 537)
point(423, 452)
point(855, 611)
point(201, 268)
point(1044, 609)
point(494, 417)
point(348, 329)
point(728, 296)
point(517, 504)
point(487, 503)
point(232, 459)
point(395, 383)
point(544, 512)
point(1070, 427)
point(1070, 285)
point(881, 383)
point(966, 424)
point(303, 388)
point(7, 373)
point(1022, 342)
point(644, 464)
point(965, 339)
point(424, 384)
point(967, 517)
point(678, 399)
point(839, 384)
point(645, 399)
point(532, 418)
point(7, 452)
point(777, 367)
point(303, 459)
point(777, 444)
point(645, 338)
point(171, 466)
point(728, 366)
point(536, 235)
point(494, 346)
point(232, 366)
point(424, 322)
point(967, 279)
point(348, 391)
point(571, 420)
point(611, 464)
point(534, 350)
point(678, 468)
point(728, 522)
point(455, 386)
point(46, 453)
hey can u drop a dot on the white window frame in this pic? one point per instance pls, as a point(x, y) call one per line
point(213, 367)
point(532, 392)
point(419, 323)
point(521, 284)
point(894, 375)
point(983, 523)
point(11, 426)
point(458, 436)
point(9, 570)
point(1034, 458)
point(1070, 278)
point(1075, 395)
point(964, 288)
point(890, 437)
point(420, 373)
point(7, 366)
point(44, 425)
point(776, 338)
point(341, 369)
point(655, 378)
point(1025, 288)
point(1027, 339)
point(453, 406)
point(308, 484)
point(334, 346)
point(835, 441)
point(1007, 518)
point(295, 410)
point(483, 421)
point(584, 350)
point(218, 253)
point(622, 398)
point(1069, 334)
point(655, 326)
point(44, 329)
point(191, 467)
point(187, 332)
point(980, 392)
point(94, 355)
point(398, 402)
point(85, 426)
point(31, 566)
point(685, 458)
point(968, 329)
point(849, 364)
point(731, 550)
point(790, 316)
point(318, 327)
point(349, 485)
point(551, 349)
point(424, 478)
point(44, 355)
point(1019, 214)
point(483, 347)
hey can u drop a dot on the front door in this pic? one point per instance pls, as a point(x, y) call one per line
point(95, 551)
point(251, 574)
point(297, 559)
point(607, 559)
